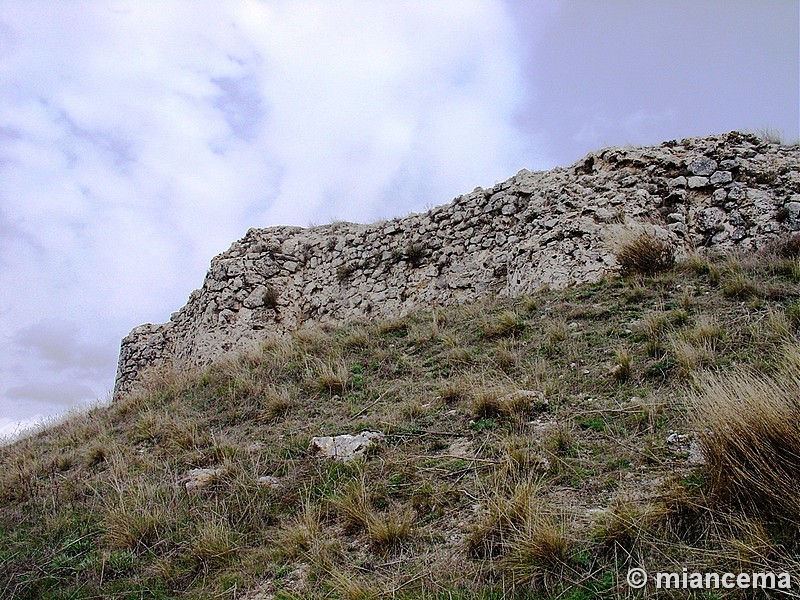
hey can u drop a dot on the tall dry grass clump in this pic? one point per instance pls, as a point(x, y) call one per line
point(749, 430)
point(643, 253)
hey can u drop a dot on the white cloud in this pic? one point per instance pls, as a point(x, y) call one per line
point(58, 345)
point(137, 140)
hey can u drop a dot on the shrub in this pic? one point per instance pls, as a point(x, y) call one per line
point(770, 135)
point(645, 254)
point(271, 297)
point(415, 253)
point(344, 271)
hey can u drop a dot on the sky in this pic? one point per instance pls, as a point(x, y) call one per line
point(138, 139)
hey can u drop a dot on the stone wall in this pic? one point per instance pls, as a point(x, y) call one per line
point(555, 227)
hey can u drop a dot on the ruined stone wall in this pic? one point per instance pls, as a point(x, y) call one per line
point(554, 227)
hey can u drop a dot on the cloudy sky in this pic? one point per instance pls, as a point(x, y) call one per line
point(140, 138)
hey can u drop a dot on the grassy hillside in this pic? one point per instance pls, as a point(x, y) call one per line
point(535, 447)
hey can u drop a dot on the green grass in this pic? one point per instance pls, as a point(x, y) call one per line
point(525, 454)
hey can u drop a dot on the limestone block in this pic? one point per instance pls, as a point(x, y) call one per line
point(346, 447)
point(703, 166)
point(195, 480)
point(697, 182)
point(721, 177)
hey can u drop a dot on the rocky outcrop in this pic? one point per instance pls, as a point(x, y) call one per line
point(546, 228)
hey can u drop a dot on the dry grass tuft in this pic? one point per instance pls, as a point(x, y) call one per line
point(739, 285)
point(621, 371)
point(135, 515)
point(696, 263)
point(645, 254)
point(456, 390)
point(351, 587)
point(312, 339)
point(331, 376)
point(520, 459)
point(691, 357)
point(561, 440)
point(749, 428)
point(706, 330)
point(357, 338)
point(507, 355)
point(786, 246)
point(487, 404)
point(624, 525)
point(212, 546)
point(502, 402)
point(555, 334)
point(353, 504)
point(502, 324)
point(776, 327)
point(300, 534)
point(394, 327)
point(506, 513)
point(387, 531)
point(538, 552)
point(696, 348)
point(275, 404)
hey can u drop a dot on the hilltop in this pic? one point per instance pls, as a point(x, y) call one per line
point(556, 228)
point(527, 442)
